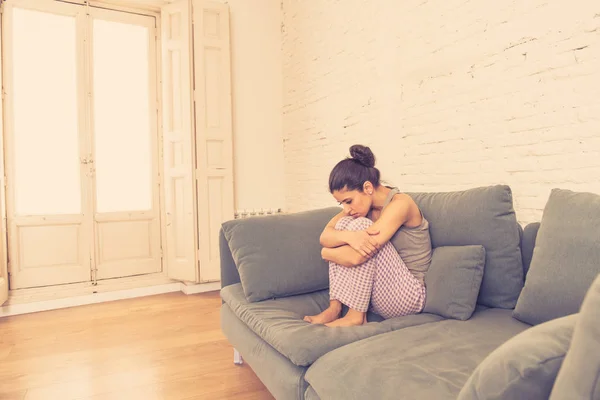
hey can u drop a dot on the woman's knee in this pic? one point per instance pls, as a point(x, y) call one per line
point(353, 224)
point(343, 223)
point(359, 224)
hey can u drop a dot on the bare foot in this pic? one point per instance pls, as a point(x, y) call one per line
point(330, 314)
point(352, 318)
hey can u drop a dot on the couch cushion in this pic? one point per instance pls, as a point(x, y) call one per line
point(579, 376)
point(431, 361)
point(566, 257)
point(453, 281)
point(525, 366)
point(480, 216)
point(279, 255)
point(279, 323)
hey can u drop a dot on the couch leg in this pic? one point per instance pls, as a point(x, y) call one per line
point(237, 357)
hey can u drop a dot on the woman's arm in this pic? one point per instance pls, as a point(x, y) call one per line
point(396, 214)
point(343, 255)
point(361, 241)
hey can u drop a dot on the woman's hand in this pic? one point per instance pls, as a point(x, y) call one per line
point(364, 242)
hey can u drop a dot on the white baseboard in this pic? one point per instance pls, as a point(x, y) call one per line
point(200, 287)
point(46, 305)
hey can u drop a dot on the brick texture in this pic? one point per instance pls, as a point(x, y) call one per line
point(449, 94)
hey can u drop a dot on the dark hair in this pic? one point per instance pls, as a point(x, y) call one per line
point(354, 171)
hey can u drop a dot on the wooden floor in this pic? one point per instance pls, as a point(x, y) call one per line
point(167, 346)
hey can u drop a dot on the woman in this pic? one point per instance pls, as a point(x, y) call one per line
point(378, 247)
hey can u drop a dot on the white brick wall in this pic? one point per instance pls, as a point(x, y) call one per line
point(449, 95)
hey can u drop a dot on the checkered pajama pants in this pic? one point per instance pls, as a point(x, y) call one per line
point(383, 284)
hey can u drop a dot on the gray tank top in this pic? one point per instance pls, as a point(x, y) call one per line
point(413, 244)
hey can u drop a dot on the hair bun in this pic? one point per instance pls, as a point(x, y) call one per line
point(363, 155)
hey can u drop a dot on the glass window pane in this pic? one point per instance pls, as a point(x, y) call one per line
point(122, 129)
point(46, 143)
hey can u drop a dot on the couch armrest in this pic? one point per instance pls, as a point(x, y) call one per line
point(229, 271)
point(528, 244)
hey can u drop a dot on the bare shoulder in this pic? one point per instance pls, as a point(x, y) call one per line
point(402, 200)
point(405, 204)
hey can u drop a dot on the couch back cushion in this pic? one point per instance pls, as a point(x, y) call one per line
point(279, 255)
point(566, 257)
point(480, 216)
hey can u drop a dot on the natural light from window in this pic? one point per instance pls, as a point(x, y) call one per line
point(122, 128)
point(51, 100)
point(45, 106)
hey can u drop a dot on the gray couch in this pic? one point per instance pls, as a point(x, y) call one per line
point(511, 313)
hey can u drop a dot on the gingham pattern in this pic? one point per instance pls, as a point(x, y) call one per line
point(382, 284)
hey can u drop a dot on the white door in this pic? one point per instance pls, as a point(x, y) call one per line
point(48, 190)
point(197, 128)
point(81, 144)
point(178, 154)
point(214, 149)
point(125, 143)
point(3, 250)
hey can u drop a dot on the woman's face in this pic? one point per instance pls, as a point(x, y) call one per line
point(356, 203)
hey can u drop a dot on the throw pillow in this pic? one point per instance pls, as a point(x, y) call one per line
point(453, 281)
point(565, 258)
point(523, 367)
point(579, 376)
point(279, 255)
